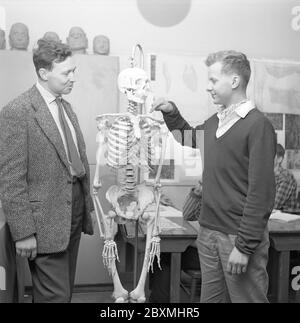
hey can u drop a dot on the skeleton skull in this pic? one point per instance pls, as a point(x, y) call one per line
point(135, 83)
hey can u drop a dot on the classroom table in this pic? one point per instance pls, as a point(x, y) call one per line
point(284, 238)
point(174, 241)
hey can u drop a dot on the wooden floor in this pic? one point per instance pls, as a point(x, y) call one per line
point(103, 294)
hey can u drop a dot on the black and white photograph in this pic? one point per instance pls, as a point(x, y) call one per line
point(149, 154)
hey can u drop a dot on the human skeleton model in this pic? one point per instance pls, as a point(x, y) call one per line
point(126, 140)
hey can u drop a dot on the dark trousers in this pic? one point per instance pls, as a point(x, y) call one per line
point(53, 275)
point(8, 267)
point(160, 279)
point(219, 286)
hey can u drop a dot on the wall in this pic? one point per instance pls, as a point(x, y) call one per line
point(261, 28)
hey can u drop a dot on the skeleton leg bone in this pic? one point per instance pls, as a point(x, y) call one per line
point(106, 230)
point(138, 294)
point(110, 252)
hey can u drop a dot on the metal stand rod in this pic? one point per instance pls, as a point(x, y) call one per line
point(135, 269)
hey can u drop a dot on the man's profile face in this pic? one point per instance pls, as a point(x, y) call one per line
point(18, 37)
point(219, 84)
point(60, 79)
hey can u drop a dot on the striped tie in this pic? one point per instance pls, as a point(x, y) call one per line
point(73, 155)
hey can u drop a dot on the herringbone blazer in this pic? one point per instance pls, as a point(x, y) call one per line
point(35, 179)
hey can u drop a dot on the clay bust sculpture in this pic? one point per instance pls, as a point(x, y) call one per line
point(2, 39)
point(101, 45)
point(52, 36)
point(77, 40)
point(19, 36)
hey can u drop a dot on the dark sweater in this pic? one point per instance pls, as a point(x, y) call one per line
point(238, 176)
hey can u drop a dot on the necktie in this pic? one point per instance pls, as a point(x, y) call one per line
point(72, 152)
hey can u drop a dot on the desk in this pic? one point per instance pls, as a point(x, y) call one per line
point(284, 237)
point(174, 241)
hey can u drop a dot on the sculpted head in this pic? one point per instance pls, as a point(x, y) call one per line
point(19, 36)
point(52, 36)
point(101, 45)
point(77, 40)
point(2, 39)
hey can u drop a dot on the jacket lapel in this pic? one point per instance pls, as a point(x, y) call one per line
point(46, 122)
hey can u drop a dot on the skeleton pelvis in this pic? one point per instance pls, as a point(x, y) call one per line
point(130, 205)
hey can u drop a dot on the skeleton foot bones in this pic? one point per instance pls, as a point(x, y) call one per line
point(107, 227)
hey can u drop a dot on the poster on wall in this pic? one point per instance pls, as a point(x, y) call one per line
point(183, 80)
point(277, 86)
point(287, 128)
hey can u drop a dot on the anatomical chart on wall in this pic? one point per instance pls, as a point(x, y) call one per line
point(292, 141)
point(277, 86)
point(183, 80)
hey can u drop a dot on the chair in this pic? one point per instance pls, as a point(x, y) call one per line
point(195, 281)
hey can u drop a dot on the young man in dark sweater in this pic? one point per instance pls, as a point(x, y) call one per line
point(238, 183)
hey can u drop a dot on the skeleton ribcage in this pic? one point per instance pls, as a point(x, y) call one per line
point(124, 148)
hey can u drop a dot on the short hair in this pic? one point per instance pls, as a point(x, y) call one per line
point(232, 61)
point(280, 151)
point(49, 52)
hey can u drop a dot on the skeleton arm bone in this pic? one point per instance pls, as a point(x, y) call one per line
point(105, 223)
point(145, 116)
point(157, 185)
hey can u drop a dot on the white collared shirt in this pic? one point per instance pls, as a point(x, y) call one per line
point(53, 108)
point(229, 116)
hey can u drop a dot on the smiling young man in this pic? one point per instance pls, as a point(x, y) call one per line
point(44, 175)
point(238, 183)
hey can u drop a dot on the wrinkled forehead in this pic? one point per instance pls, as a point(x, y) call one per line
point(65, 66)
point(216, 70)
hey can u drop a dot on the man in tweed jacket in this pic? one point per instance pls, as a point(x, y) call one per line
point(46, 203)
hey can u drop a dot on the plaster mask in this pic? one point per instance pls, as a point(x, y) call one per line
point(19, 36)
point(2, 39)
point(77, 40)
point(51, 36)
point(101, 45)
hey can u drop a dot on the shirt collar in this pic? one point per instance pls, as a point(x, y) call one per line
point(241, 109)
point(47, 96)
point(244, 108)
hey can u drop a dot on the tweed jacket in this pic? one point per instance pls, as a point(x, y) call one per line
point(35, 179)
